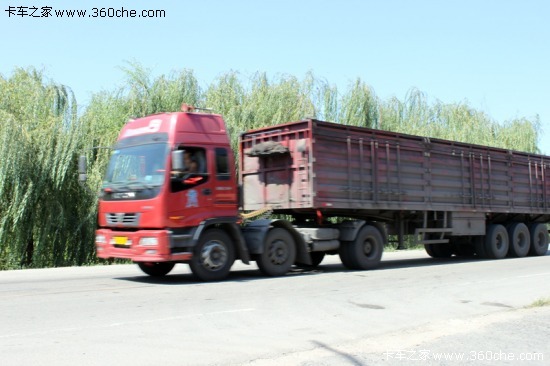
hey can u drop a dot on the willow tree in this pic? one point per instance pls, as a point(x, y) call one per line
point(40, 219)
point(359, 106)
point(457, 121)
point(259, 101)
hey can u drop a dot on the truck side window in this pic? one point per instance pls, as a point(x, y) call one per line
point(194, 174)
point(222, 164)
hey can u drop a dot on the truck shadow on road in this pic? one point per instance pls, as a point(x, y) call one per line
point(253, 274)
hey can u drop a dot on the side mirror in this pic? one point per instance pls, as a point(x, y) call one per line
point(82, 168)
point(177, 160)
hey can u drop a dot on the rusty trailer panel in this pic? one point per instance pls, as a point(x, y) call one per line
point(310, 165)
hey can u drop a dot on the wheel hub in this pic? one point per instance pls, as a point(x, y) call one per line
point(499, 243)
point(278, 252)
point(213, 256)
point(367, 248)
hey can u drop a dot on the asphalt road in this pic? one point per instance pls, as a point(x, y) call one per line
point(405, 312)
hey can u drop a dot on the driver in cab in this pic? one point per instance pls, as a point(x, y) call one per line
point(191, 165)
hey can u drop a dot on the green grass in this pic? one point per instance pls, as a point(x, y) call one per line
point(540, 303)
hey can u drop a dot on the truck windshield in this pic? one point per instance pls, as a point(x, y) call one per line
point(137, 167)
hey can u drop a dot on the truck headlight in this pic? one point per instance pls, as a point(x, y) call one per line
point(100, 239)
point(148, 241)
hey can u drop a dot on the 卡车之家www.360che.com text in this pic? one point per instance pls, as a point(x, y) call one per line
point(50, 12)
point(427, 355)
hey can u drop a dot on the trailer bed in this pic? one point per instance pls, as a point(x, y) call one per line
point(312, 165)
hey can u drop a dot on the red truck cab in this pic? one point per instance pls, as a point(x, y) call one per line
point(154, 215)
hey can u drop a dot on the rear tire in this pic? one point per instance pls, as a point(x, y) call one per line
point(279, 253)
point(365, 252)
point(213, 256)
point(539, 239)
point(156, 269)
point(496, 242)
point(520, 239)
point(345, 255)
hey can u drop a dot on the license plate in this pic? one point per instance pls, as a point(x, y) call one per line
point(121, 240)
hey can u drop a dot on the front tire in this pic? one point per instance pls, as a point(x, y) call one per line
point(213, 256)
point(156, 269)
point(279, 253)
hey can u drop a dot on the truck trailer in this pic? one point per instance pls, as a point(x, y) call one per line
point(305, 189)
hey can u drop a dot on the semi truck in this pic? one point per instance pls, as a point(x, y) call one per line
point(172, 193)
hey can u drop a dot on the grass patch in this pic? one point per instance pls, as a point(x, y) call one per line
point(539, 303)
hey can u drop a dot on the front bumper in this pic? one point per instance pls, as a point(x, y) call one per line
point(133, 246)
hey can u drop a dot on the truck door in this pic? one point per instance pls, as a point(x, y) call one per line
point(225, 190)
point(191, 195)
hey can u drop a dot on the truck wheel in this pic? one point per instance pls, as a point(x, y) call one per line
point(316, 259)
point(213, 256)
point(520, 239)
point(496, 242)
point(365, 252)
point(439, 250)
point(156, 269)
point(539, 239)
point(279, 253)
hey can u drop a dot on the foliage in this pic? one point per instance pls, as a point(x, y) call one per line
point(48, 219)
point(459, 122)
point(539, 303)
point(41, 222)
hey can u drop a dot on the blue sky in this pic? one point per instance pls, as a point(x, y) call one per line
point(493, 54)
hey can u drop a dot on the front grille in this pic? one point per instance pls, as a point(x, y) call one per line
point(122, 219)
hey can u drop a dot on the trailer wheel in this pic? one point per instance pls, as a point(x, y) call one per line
point(365, 252)
point(279, 253)
point(496, 242)
point(539, 239)
point(439, 250)
point(520, 239)
point(156, 269)
point(213, 256)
